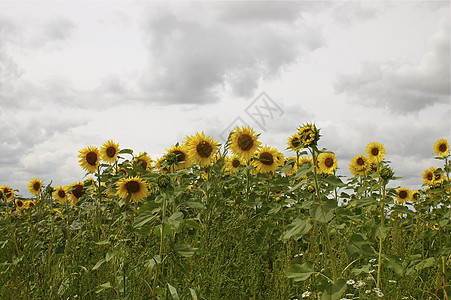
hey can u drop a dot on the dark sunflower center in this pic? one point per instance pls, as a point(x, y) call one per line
point(143, 163)
point(19, 203)
point(437, 176)
point(402, 194)
point(266, 158)
point(31, 204)
point(180, 155)
point(360, 161)
point(36, 186)
point(61, 194)
point(245, 142)
point(110, 151)
point(132, 187)
point(91, 158)
point(235, 163)
point(442, 147)
point(123, 171)
point(78, 191)
point(204, 149)
point(7, 193)
point(329, 162)
point(429, 176)
point(374, 151)
point(295, 142)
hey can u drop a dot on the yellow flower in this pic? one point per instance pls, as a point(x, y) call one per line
point(375, 152)
point(109, 151)
point(327, 163)
point(294, 142)
point(19, 203)
point(292, 162)
point(441, 147)
point(201, 149)
point(76, 191)
point(308, 135)
point(416, 196)
point(144, 160)
point(133, 187)
point(28, 204)
point(7, 192)
point(89, 159)
point(231, 164)
point(181, 156)
point(359, 165)
point(35, 186)
point(429, 176)
point(303, 160)
point(161, 167)
point(60, 194)
point(267, 160)
point(404, 195)
point(244, 142)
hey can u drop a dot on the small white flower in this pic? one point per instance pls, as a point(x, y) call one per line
point(299, 254)
point(372, 261)
point(377, 290)
point(305, 294)
point(392, 281)
point(367, 291)
point(405, 298)
point(344, 299)
point(372, 271)
point(380, 294)
point(350, 282)
point(349, 295)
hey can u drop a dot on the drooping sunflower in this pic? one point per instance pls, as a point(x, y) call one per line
point(231, 164)
point(201, 149)
point(294, 142)
point(375, 152)
point(359, 165)
point(441, 147)
point(76, 191)
point(89, 159)
point(403, 195)
point(327, 163)
point(35, 186)
point(308, 135)
point(181, 156)
point(144, 160)
point(267, 160)
point(429, 176)
point(134, 187)
point(109, 151)
point(60, 194)
point(244, 142)
point(7, 192)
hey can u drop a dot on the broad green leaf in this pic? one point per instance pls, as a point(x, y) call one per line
point(381, 232)
point(103, 286)
point(334, 291)
point(127, 151)
point(98, 264)
point(333, 181)
point(359, 246)
point(197, 205)
point(173, 292)
point(303, 170)
point(175, 220)
point(297, 229)
point(323, 212)
point(185, 250)
point(299, 272)
point(394, 263)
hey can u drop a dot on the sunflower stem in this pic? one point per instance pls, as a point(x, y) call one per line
point(381, 238)
point(160, 252)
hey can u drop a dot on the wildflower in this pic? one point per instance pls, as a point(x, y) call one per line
point(76, 192)
point(306, 294)
point(380, 294)
point(350, 282)
point(359, 165)
point(375, 152)
point(89, 159)
point(109, 151)
point(392, 281)
point(201, 149)
point(244, 142)
point(35, 186)
point(308, 135)
point(268, 160)
point(367, 291)
point(403, 195)
point(294, 142)
point(181, 157)
point(327, 163)
point(144, 160)
point(429, 176)
point(441, 147)
point(134, 187)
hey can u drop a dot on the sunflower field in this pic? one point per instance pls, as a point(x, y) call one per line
point(231, 221)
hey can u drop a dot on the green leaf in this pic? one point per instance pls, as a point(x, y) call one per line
point(334, 291)
point(103, 286)
point(333, 181)
point(303, 170)
point(185, 250)
point(193, 293)
point(98, 264)
point(127, 151)
point(358, 245)
point(323, 212)
point(152, 262)
point(197, 205)
point(173, 292)
point(299, 272)
point(297, 229)
point(394, 263)
point(175, 220)
point(104, 242)
point(381, 232)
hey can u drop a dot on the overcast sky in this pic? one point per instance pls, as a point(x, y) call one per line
point(146, 74)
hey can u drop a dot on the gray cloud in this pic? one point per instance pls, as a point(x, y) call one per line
point(406, 87)
point(191, 59)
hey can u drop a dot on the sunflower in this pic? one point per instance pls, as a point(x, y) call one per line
point(144, 160)
point(201, 149)
point(404, 195)
point(439, 176)
point(89, 159)
point(181, 156)
point(231, 164)
point(244, 142)
point(416, 196)
point(19, 203)
point(326, 163)
point(429, 176)
point(359, 165)
point(109, 151)
point(441, 147)
point(308, 135)
point(294, 142)
point(291, 161)
point(162, 166)
point(60, 194)
point(305, 159)
point(28, 204)
point(76, 191)
point(134, 187)
point(375, 152)
point(7, 192)
point(267, 160)
point(35, 186)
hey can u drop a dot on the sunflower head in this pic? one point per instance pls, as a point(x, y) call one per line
point(403, 195)
point(375, 152)
point(386, 173)
point(429, 176)
point(60, 194)
point(267, 160)
point(441, 147)
point(89, 159)
point(109, 151)
point(7, 192)
point(201, 149)
point(416, 196)
point(244, 142)
point(294, 142)
point(163, 181)
point(28, 204)
point(133, 187)
point(35, 186)
point(308, 135)
point(76, 191)
point(327, 163)
point(177, 156)
point(232, 164)
point(144, 160)
point(359, 165)
point(19, 203)
point(292, 162)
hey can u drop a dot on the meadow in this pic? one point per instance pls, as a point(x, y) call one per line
point(232, 221)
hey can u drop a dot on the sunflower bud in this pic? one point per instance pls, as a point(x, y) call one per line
point(163, 181)
point(386, 173)
point(308, 135)
point(171, 159)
